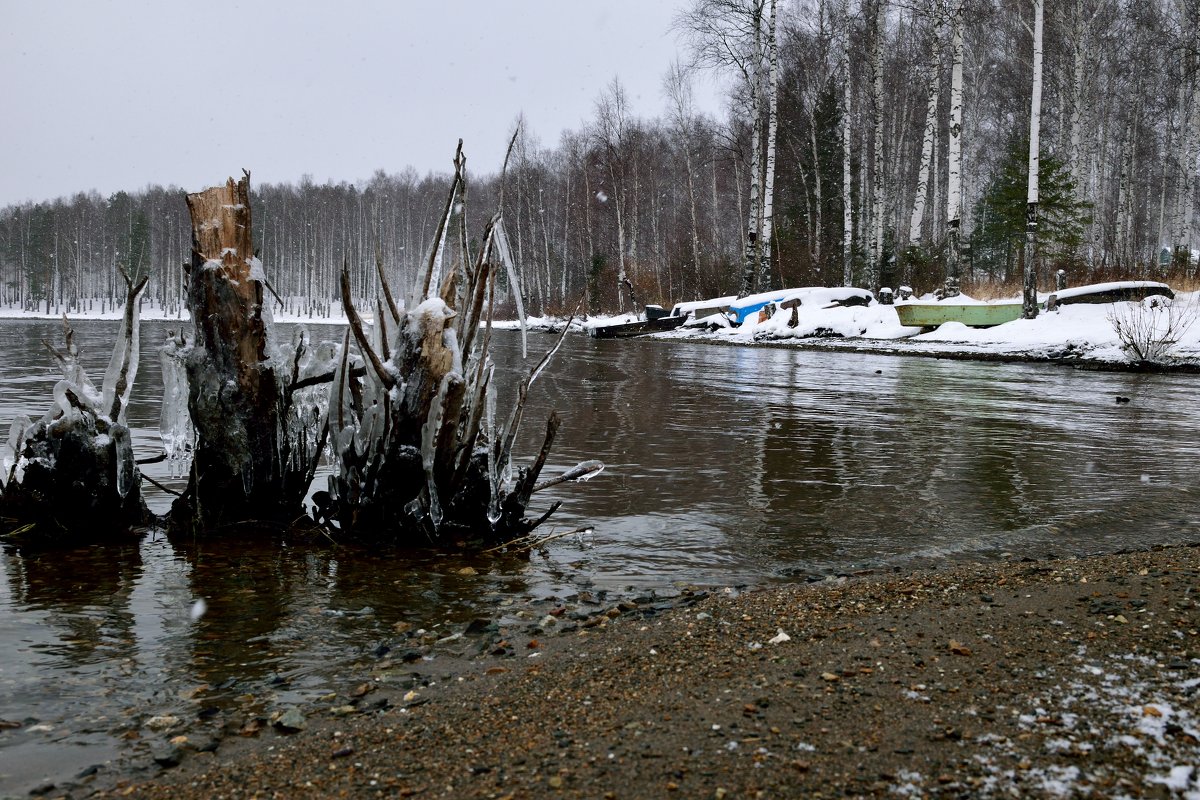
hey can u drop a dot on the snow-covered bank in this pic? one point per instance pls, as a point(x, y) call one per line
point(152, 312)
point(1082, 332)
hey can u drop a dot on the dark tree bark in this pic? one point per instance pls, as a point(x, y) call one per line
point(241, 469)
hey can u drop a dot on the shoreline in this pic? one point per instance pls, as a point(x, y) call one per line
point(894, 347)
point(1065, 677)
point(1068, 354)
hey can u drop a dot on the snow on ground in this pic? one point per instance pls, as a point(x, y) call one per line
point(1118, 712)
point(1081, 331)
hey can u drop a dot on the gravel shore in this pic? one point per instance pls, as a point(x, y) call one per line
point(1065, 678)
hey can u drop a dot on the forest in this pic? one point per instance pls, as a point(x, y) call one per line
point(859, 135)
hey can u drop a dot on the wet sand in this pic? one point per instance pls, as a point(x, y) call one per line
point(1065, 678)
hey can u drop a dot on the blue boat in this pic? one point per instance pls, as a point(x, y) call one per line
point(811, 296)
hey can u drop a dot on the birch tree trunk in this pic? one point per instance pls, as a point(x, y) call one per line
point(764, 254)
point(1124, 211)
point(877, 191)
point(623, 281)
point(754, 220)
point(1075, 123)
point(679, 92)
point(1189, 143)
point(716, 239)
point(933, 93)
point(611, 110)
point(954, 156)
point(847, 201)
point(818, 193)
point(1029, 301)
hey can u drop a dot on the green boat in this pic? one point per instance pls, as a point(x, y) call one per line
point(974, 315)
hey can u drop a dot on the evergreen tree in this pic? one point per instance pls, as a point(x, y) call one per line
point(998, 242)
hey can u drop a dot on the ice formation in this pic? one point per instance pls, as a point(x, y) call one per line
point(175, 423)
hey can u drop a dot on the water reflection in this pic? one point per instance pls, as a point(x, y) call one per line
point(83, 594)
point(725, 465)
point(242, 595)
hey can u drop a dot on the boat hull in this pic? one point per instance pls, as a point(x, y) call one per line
point(974, 315)
point(626, 329)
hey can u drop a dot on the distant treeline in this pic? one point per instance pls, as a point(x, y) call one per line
point(669, 200)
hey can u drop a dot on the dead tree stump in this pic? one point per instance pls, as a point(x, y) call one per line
point(72, 473)
point(240, 469)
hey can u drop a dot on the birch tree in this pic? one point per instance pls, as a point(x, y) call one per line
point(612, 135)
point(847, 203)
point(683, 118)
point(1029, 300)
point(954, 153)
point(1189, 128)
point(875, 248)
point(768, 219)
point(933, 94)
point(728, 34)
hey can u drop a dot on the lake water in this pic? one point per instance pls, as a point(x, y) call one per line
point(725, 466)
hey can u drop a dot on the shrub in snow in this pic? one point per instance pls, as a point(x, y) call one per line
point(1149, 331)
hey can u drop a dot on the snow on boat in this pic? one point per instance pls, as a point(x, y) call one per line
point(1113, 292)
point(699, 309)
point(812, 296)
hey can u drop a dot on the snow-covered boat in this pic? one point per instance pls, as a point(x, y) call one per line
point(816, 296)
point(623, 330)
point(1112, 292)
point(699, 309)
point(654, 320)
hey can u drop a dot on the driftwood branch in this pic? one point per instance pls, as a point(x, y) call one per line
point(525, 490)
point(509, 435)
point(360, 335)
point(439, 234)
point(383, 282)
point(324, 377)
point(581, 471)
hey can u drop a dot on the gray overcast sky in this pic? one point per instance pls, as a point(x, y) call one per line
point(118, 95)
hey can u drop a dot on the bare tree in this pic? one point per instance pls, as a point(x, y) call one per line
point(954, 154)
point(728, 34)
point(933, 94)
point(612, 135)
point(844, 109)
point(768, 217)
point(875, 243)
point(683, 119)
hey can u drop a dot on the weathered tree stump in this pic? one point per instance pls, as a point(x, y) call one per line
point(419, 455)
point(72, 473)
point(242, 467)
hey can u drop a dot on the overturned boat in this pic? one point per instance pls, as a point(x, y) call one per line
point(655, 320)
point(972, 313)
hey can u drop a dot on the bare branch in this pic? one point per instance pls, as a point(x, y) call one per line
point(360, 336)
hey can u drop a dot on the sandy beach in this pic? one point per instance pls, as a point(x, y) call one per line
point(1055, 678)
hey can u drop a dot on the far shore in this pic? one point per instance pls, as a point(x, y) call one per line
point(1083, 340)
